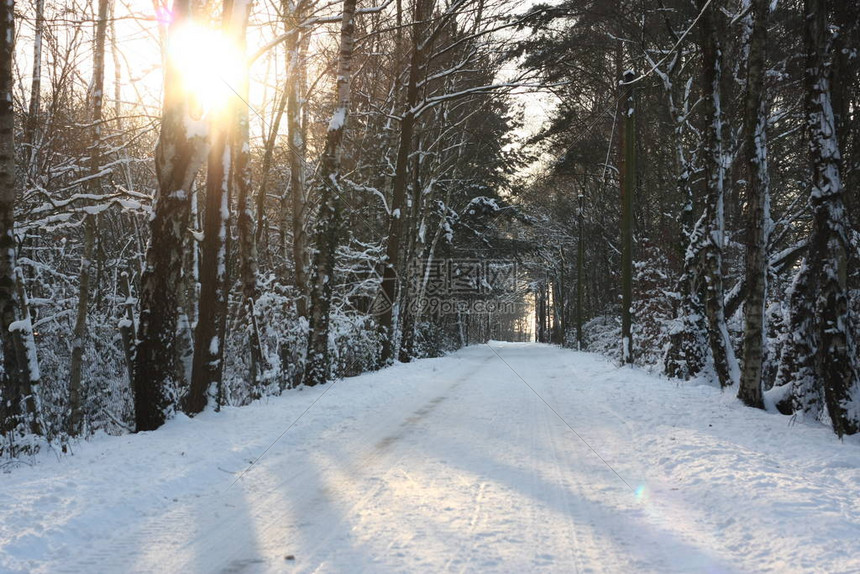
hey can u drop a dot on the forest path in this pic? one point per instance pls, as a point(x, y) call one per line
point(499, 458)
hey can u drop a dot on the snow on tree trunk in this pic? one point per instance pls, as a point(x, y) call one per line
point(19, 380)
point(409, 292)
point(31, 127)
point(297, 50)
point(79, 334)
point(227, 170)
point(329, 222)
point(687, 351)
point(400, 183)
point(126, 325)
point(758, 211)
point(241, 180)
point(179, 154)
point(207, 369)
point(796, 388)
point(688, 341)
point(819, 357)
point(580, 267)
point(725, 363)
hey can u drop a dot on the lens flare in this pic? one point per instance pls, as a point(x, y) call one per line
point(163, 16)
point(209, 66)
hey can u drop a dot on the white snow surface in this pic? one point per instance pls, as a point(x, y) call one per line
point(451, 465)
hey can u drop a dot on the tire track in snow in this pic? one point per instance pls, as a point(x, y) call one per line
point(606, 434)
point(452, 465)
point(372, 466)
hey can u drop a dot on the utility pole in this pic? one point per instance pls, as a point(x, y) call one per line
point(628, 187)
point(580, 256)
point(562, 300)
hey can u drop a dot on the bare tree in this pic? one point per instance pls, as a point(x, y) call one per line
point(628, 190)
point(19, 381)
point(297, 47)
point(419, 50)
point(79, 334)
point(240, 178)
point(180, 153)
point(329, 222)
point(758, 210)
point(227, 170)
point(818, 364)
point(31, 127)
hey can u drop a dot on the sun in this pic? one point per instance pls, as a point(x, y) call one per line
point(209, 65)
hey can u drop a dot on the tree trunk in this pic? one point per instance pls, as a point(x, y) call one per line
point(126, 326)
point(31, 127)
point(400, 182)
point(297, 150)
point(178, 156)
point(328, 226)
point(241, 180)
point(725, 362)
point(79, 334)
point(229, 128)
point(208, 364)
point(409, 292)
point(687, 352)
point(819, 358)
point(28, 360)
point(542, 315)
point(561, 304)
point(19, 380)
point(117, 69)
point(758, 216)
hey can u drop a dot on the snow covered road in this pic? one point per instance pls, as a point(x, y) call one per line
point(451, 465)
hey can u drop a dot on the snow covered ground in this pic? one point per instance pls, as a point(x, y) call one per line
point(451, 464)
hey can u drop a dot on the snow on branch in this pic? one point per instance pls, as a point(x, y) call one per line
point(504, 87)
point(124, 198)
point(371, 190)
point(309, 23)
point(450, 71)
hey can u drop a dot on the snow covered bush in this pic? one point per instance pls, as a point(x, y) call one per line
point(432, 340)
point(603, 335)
point(652, 307)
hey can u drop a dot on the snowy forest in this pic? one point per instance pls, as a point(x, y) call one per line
point(207, 203)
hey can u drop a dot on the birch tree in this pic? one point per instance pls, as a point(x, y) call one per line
point(32, 135)
point(703, 258)
point(240, 178)
point(713, 34)
point(330, 219)
point(758, 210)
point(79, 334)
point(628, 173)
point(297, 47)
point(818, 365)
point(19, 381)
